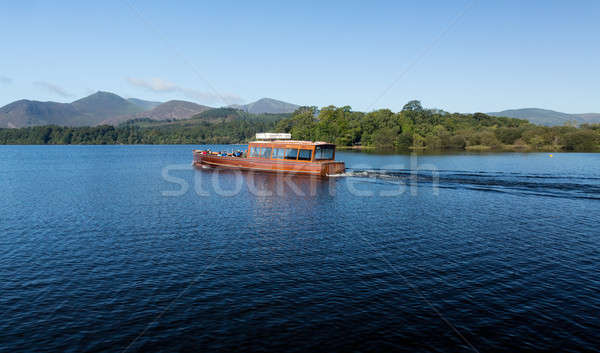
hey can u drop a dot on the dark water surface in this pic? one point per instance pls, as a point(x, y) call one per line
point(102, 249)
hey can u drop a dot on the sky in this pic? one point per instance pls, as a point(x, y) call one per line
point(459, 55)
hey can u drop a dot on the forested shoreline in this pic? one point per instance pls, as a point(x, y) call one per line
point(413, 128)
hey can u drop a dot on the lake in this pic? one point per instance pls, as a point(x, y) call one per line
point(130, 248)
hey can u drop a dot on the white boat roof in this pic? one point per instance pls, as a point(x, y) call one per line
point(273, 136)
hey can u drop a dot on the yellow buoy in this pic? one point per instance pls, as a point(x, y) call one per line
point(551, 155)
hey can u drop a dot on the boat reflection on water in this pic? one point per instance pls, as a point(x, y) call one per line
point(233, 182)
point(276, 197)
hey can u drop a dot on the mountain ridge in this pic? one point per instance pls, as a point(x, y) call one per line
point(144, 104)
point(267, 105)
point(100, 105)
point(170, 110)
point(108, 108)
point(87, 111)
point(24, 113)
point(548, 117)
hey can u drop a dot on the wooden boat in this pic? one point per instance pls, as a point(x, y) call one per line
point(274, 155)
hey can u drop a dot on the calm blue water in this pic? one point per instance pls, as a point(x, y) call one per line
point(129, 248)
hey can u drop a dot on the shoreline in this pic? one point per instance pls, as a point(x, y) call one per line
point(468, 149)
point(474, 148)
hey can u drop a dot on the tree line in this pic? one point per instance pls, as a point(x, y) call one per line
point(412, 128)
point(417, 128)
point(141, 132)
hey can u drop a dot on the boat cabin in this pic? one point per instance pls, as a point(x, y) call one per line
point(303, 151)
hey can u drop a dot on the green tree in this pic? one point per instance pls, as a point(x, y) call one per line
point(414, 106)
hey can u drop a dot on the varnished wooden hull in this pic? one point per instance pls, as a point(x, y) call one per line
point(270, 165)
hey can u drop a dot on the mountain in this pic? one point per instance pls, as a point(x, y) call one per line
point(267, 105)
point(548, 117)
point(87, 111)
point(102, 105)
point(220, 114)
point(591, 118)
point(171, 110)
point(146, 105)
point(24, 113)
point(214, 116)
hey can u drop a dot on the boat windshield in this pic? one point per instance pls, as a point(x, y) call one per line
point(324, 152)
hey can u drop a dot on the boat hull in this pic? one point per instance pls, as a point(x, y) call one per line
point(269, 165)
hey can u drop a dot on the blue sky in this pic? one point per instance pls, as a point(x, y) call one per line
point(458, 55)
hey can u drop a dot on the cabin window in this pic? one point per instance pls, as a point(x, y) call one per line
point(265, 152)
point(304, 155)
point(291, 153)
point(254, 151)
point(278, 153)
point(324, 152)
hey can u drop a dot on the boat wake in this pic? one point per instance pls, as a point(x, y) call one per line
point(550, 185)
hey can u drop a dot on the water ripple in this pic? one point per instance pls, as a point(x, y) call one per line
point(93, 254)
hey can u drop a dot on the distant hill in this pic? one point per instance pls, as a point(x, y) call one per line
point(548, 117)
point(24, 113)
point(591, 118)
point(226, 113)
point(109, 108)
point(146, 105)
point(210, 116)
point(101, 105)
point(230, 114)
point(267, 105)
point(87, 111)
point(171, 110)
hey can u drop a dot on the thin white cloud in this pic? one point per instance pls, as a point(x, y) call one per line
point(158, 85)
point(52, 88)
point(153, 84)
point(5, 80)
